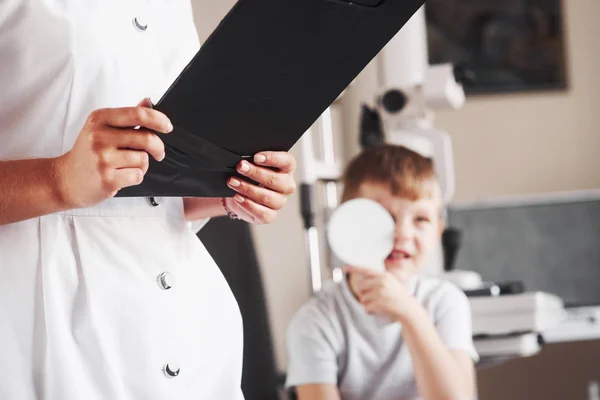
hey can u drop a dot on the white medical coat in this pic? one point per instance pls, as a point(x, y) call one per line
point(83, 312)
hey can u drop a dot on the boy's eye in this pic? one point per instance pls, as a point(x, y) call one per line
point(421, 219)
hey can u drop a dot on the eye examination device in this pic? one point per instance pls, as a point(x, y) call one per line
point(361, 233)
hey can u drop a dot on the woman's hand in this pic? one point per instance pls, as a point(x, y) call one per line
point(259, 204)
point(110, 154)
point(382, 293)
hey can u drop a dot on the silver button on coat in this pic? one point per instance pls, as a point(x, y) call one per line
point(165, 280)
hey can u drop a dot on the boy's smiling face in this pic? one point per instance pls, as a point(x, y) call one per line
point(418, 227)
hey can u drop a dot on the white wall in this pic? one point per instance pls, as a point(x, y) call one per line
point(503, 145)
point(536, 143)
point(525, 143)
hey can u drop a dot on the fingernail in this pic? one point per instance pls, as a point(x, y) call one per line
point(162, 157)
point(234, 182)
point(170, 127)
point(259, 158)
point(144, 103)
point(238, 198)
point(245, 167)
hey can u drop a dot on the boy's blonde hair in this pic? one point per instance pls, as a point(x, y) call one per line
point(406, 173)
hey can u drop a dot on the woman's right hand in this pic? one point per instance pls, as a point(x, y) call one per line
point(110, 153)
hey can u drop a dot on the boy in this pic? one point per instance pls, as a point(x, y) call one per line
point(336, 348)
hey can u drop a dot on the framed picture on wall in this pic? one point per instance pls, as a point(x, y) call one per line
point(503, 46)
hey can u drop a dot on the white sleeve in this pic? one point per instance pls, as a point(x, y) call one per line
point(311, 348)
point(454, 322)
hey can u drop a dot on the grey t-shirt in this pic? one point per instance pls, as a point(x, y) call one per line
point(332, 340)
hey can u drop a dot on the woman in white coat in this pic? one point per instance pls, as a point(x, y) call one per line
point(102, 297)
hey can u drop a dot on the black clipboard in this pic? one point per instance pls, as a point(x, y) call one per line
point(262, 78)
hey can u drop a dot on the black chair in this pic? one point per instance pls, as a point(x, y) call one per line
point(230, 244)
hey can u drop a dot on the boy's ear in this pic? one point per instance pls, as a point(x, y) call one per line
point(442, 227)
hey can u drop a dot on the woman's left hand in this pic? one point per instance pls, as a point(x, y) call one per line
point(259, 204)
